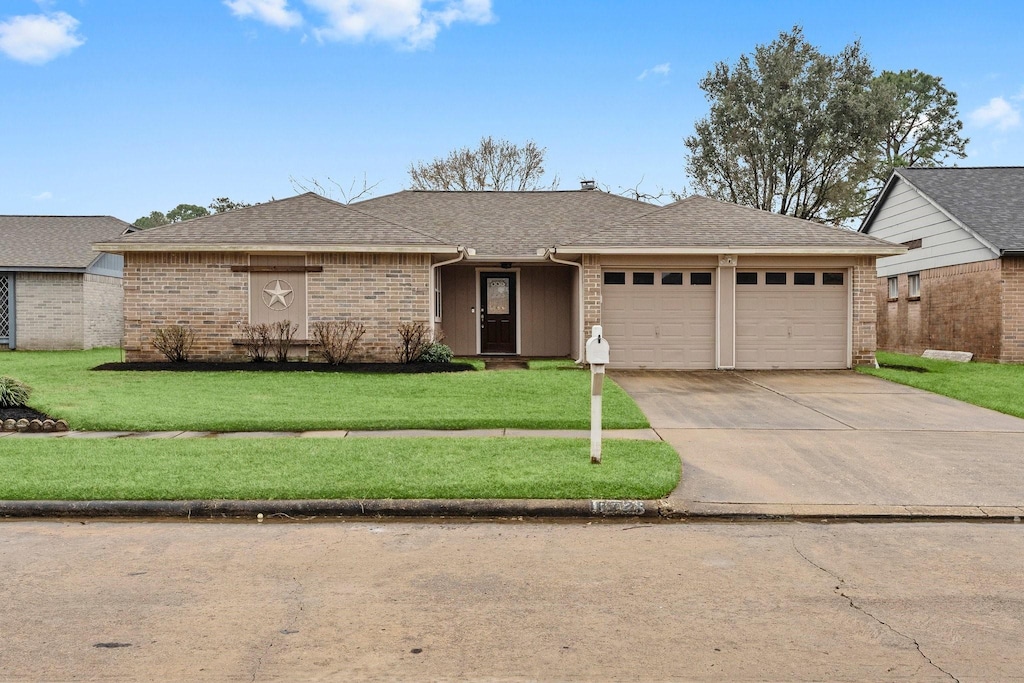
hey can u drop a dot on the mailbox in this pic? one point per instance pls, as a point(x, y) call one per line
point(597, 348)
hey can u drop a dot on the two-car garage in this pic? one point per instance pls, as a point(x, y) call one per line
point(703, 318)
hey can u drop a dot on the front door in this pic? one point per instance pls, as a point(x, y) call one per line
point(497, 313)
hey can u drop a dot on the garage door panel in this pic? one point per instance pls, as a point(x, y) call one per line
point(660, 326)
point(791, 326)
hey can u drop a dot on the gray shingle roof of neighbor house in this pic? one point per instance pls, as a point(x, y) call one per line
point(506, 223)
point(54, 242)
point(988, 200)
point(701, 223)
point(306, 220)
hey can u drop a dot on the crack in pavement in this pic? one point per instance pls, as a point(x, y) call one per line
point(838, 591)
point(793, 400)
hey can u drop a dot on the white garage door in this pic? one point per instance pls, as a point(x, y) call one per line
point(791, 319)
point(659, 318)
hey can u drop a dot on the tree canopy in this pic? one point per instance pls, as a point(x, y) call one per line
point(493, 165)
point(184, 212)
point(799, 132)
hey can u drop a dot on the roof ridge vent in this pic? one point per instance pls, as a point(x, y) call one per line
point(586, 185)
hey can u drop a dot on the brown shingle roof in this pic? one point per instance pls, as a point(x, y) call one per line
point(700, 222)
point(306, 219)
point(54, 241)
point(506, 223)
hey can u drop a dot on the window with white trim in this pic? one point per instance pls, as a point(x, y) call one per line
point(437, 299)
point(914, 285)
point(894, 288)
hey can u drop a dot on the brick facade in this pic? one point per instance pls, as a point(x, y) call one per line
point(591, 293)
point(48, 310)
point(960, 308)
point(103, 300)
point(199, 289)
point(1012, 316)
point(865, 312)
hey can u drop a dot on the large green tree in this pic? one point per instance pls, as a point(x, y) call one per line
point(492, 165)
point(184, 212)
point(799, 132)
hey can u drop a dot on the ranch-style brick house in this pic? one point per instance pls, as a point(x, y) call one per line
point(56, 292)
point(698, 284)
point(960, 284)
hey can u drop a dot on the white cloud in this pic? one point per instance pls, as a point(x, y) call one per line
point(413, 24)
point(273, 12)
point(38, 38)
point(659, 70)
point(42, 196)
point(998, 113)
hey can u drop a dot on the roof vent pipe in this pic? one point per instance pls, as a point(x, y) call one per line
point(588, 185)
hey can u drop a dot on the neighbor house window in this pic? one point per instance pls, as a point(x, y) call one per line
point(643, 278)
point(615, 278)
point(746, 278)
point(700, 278)
point(914, 285)
point(671, 278)
point(894, 288)
point(775, 278)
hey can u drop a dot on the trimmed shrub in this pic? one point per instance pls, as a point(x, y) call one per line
point(335, 340)
point(13, 393)
point(437, 353)
point(175, 342)
point(413, 342)
point(282, 334)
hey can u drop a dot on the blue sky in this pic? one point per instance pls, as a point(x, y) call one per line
point(118, 107)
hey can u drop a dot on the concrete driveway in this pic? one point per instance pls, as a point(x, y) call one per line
point(828, 438)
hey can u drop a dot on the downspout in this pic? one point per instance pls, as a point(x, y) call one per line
point(433, 290)
point(550, 253)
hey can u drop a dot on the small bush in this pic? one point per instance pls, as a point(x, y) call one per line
point(437, 353)
point(256, 340)
point(413, 342)
point(335, 340)
point(175, 342)
point(281, 335)
point(13, 393)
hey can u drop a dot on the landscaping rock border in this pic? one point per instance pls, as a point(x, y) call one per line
point(25, 419)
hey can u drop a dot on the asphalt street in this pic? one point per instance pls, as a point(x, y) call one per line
point(510, 601)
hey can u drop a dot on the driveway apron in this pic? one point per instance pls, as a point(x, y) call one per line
point(828, 438)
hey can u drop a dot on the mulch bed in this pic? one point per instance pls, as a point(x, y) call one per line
point(384, 368)
point(27, 413)
point(906, 368)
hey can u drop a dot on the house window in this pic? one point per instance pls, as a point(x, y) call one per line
point(831, 278)
point(700, 278)
point(643, 278)
point(914, 285)
point(671, 278)
point(803, 278)
point(746, 278)
point(775, 278)
point(894, 288)
point(615, 278)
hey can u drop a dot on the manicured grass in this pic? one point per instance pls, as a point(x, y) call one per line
point(545, 398)
point(999, 387)
point(351, 468)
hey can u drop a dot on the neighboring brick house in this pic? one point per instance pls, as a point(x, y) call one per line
point(55, 291)
point(697, 284)
point(960, 285)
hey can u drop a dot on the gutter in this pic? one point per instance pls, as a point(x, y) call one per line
point(432, 288)
point(550, 253)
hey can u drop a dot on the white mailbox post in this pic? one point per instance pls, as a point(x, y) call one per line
point(597, 356)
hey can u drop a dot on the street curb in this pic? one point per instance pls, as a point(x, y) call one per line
point(495, 508)
point(651, 510)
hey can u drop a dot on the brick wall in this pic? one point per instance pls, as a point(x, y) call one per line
point(378, 290)
point(865, 311)
point(48, 310)
point(103, 298)
point(959, 310)
point(1012, 317)
point(196, 289)
point(591, 293)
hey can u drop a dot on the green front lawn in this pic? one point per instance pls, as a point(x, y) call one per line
point(543, 397)
point(350, 468)
point(999, 387)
